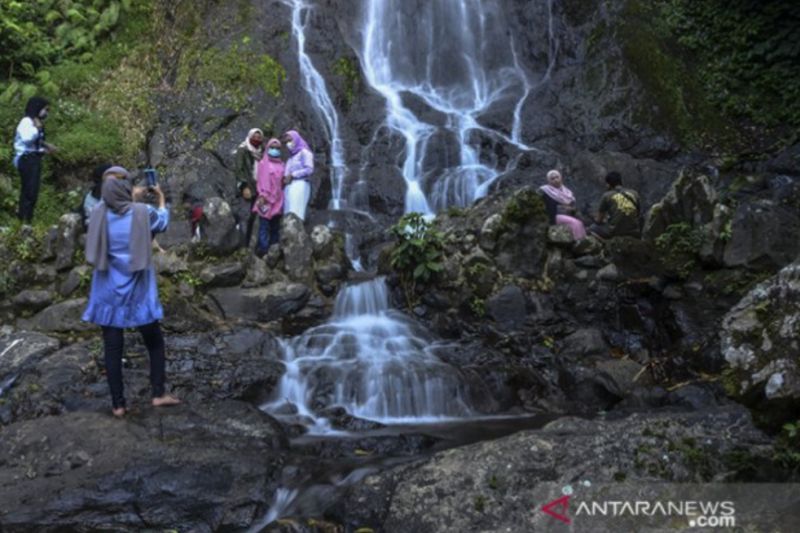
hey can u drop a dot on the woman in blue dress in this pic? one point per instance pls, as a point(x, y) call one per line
point(124, 292)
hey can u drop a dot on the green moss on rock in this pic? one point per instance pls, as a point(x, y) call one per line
point(231, 72)
point(526, 205)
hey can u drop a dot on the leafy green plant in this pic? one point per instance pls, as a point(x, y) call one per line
point(417, 255)
point(679, 245)
point(36, 35)
point(787, 448)
point(189, 278)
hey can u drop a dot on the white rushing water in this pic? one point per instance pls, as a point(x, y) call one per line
point(441, 65)
point(370, 360)
point(317, 91)
point(280, 503)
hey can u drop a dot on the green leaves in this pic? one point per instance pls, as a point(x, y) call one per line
point(417, 256)
point(38, 34)
point(747, 55)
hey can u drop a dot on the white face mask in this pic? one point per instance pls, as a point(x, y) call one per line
point(43, 114)
point(290, 145)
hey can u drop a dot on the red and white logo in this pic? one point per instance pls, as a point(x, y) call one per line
point(563, 504)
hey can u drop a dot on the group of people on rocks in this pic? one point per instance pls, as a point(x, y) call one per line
point(268, 186)
point(121, 227)
point(617, 216)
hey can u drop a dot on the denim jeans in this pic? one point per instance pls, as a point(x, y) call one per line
point(268, 233)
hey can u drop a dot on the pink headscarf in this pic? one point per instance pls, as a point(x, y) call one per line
point(299, 142)
point(269, 183)
point(561, 195)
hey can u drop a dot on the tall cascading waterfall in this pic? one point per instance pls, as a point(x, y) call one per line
point(457, 59)
point(315, 86)
point(371, 360)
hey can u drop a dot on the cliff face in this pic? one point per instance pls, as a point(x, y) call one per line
point(534, 321)
point(586, 108)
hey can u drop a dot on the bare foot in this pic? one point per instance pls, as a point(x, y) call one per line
point(119, 412)
point(167, 399)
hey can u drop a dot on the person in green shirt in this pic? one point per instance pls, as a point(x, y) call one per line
point(248, 155)
point(618, 214)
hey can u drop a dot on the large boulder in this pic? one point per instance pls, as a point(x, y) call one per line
point(223, 275)
point(691, 199)
point(263, 304)
point(202, 468)
point(507, 308)
point(33, 299)
point(243, 365)
point(297, 247)
point(219, 228)
point(69, 227)
point(76, 278)
point(23, 350)
point(760, 341)
point(63, 317)
point(500, 485)
point(763, 234)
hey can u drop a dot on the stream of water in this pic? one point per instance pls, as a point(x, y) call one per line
point(373, 361)
point(317, 91)
point(440, 67)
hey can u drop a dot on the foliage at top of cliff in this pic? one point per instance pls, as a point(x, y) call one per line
point(37, 34)
point(711, 68)
point(96, 63)
point(748, 54)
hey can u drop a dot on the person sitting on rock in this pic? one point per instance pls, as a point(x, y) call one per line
point(299, 166)
point(124, 292)
point(618, 214)
point(248, 155)
point(560, 204)
point(269, 204)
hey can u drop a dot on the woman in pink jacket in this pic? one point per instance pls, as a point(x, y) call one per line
point(269, 204)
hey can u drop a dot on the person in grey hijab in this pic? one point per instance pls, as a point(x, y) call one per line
point(124, 293)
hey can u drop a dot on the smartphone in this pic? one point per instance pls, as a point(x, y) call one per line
point(151, 177)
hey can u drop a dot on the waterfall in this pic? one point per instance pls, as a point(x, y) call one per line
point(317, 91)
point(372, 361)
point(440, 66)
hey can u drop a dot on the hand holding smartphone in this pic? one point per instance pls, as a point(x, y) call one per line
point(151, 178)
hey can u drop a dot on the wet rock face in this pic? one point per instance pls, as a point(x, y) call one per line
point(199, 128)
point(763, 235)
point(242, 365)
point(262, 304)
point(760, 341)
point(220, 462)
point(496, 485)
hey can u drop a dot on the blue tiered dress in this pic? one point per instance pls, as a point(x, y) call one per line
point(119, 297)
